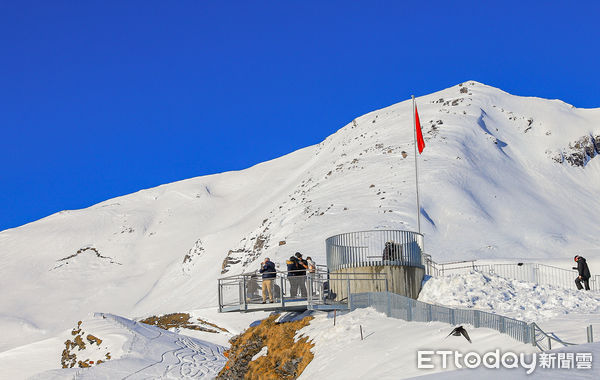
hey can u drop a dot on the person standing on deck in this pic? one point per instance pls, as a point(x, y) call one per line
point(292, 268)
point(268, 275)
point(302, 266)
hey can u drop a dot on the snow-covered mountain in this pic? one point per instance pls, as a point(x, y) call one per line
point(502, 176)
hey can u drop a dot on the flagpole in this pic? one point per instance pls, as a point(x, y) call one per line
point(416, 164)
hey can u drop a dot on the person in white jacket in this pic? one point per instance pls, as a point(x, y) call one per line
point(312, 267)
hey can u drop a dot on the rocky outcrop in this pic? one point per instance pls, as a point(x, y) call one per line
point(84, 251)
point(269, 351)
point(579, 152)
point(251, 248)
point(196, 251)
point(76, 349)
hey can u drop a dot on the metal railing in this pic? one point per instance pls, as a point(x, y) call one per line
point(318, 290)
point(529, 272)
point(374, 248)
point(408, 309)
point(328, 291)
point(543, 340)
point(435, 269)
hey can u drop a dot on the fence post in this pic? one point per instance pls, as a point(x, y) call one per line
point(549, 343)
point(389, 303)
point(219, 295)
point(244, 293)
point(590, 334)
point(503, 325)
point(452, 316)
point(349, 298)
point(429, 312)
point(476, 318)
point(309, 278)
point(532, 334)
point(409, 311)
point(281, 291)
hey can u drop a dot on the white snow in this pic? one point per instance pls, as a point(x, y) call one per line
point(389, 349)
point(136, 350)
point(489, 186)
point(517, 299)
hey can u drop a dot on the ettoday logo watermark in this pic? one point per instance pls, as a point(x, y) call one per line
point(497, 359)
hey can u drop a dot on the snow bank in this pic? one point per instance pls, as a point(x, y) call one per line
point(390, 346)
point(512, 298)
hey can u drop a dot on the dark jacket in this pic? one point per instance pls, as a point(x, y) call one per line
point(292, 266)
point(582, 268)
point(392, 251)
point(302, 266)
point(268, 270)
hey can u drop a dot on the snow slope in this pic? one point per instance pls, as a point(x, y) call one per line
point(150, 352)
point(501, 176)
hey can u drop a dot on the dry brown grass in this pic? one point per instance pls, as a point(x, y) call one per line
point(181, 320)
point(285, 358)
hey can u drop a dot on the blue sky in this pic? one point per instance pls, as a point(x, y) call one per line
point(103, 98)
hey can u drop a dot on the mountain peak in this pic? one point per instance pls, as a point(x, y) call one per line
point(501, 176)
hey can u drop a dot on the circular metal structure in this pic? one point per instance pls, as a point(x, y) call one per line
point(374, 248)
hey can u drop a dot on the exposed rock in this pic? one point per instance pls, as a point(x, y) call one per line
point(230, 260)
point(194, 252)
point(249, 252)
point(580, 152)
point(77, 346)
point(92, 339)
point(81, 251)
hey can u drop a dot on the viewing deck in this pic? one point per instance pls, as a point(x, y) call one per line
point(317, 291)
point(357, 262)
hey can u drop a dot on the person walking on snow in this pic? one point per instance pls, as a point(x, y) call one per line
point(268, 274)
point(584, 273)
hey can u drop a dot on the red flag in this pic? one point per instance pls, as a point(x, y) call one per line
point(420, 141)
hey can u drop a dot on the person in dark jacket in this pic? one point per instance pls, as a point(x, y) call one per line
point(584, 273)
point(292, 268)
point(269, 273)
point(301, 277)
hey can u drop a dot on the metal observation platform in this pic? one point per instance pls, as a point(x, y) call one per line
point(357, 262)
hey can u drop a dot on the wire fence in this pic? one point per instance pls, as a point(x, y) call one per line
point(408, 309)
point(529, 272)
